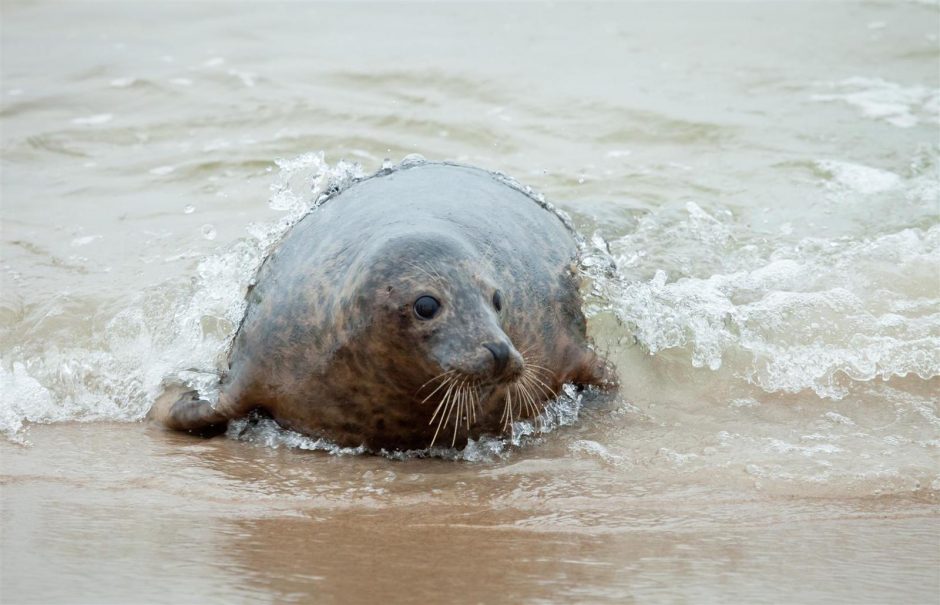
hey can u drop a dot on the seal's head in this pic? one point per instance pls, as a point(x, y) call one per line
point(446, 309)
point(441, 315)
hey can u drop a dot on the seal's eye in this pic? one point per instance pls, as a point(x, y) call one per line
point(426, 307)
point(497, 301)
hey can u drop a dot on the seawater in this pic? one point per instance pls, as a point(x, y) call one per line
point(734, 272)
point(824, 322)
point(757, 187)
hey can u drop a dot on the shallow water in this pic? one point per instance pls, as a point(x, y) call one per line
point(766, 184)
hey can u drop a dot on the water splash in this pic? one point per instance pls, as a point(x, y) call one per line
point(180, 329)
point(815, 314)
point(900, 106)
point(561, 412)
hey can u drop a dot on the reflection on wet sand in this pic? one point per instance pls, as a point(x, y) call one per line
point(132, 513)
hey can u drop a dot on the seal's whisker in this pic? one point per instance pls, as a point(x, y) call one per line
point(488, 252)
point(506, 418)
point(478, 405)
point(461, 402)
point(478, 399)
point(466, 404)
point(473, 402)
point(549, 395)
point(542, 375)
point(537, 383)
point(465, 418)
point(445, 404)
point(531, 405)
point(455, 398)
point(538, 368)
point(442, 374)
point(439, 387)
point(417, 267)
point(466, 408)
point(513, 413)
point(454, 402)
point(532, 364)
point(433, 272)
point(523, 398)
point(451, 381)
point(536, 407)
point(458, 403)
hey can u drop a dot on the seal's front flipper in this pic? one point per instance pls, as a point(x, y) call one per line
point(182, 410)
point(594, 371)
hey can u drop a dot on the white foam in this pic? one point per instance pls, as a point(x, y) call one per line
point(95, 120)
point(84, 240)
point(901, 106)
point(247, 78)
point(859, 178)
point(24, 398)
point(806, 316)
point(181, 328)
point(593, 448)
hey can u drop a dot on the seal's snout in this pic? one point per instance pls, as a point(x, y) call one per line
point(500, 351)
point(506, 360)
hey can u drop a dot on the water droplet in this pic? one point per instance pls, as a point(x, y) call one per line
point(413, 159)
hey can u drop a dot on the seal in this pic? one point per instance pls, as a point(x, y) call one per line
point(424, 305)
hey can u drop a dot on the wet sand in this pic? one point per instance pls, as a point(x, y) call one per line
point(128, 513)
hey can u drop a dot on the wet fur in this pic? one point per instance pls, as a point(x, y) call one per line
point(330, 345)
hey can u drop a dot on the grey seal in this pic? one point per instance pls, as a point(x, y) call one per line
point(424, 305)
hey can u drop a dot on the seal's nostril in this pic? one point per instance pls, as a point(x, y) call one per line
point(500, 351)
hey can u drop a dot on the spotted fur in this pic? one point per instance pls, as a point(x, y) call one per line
point(331, 346)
